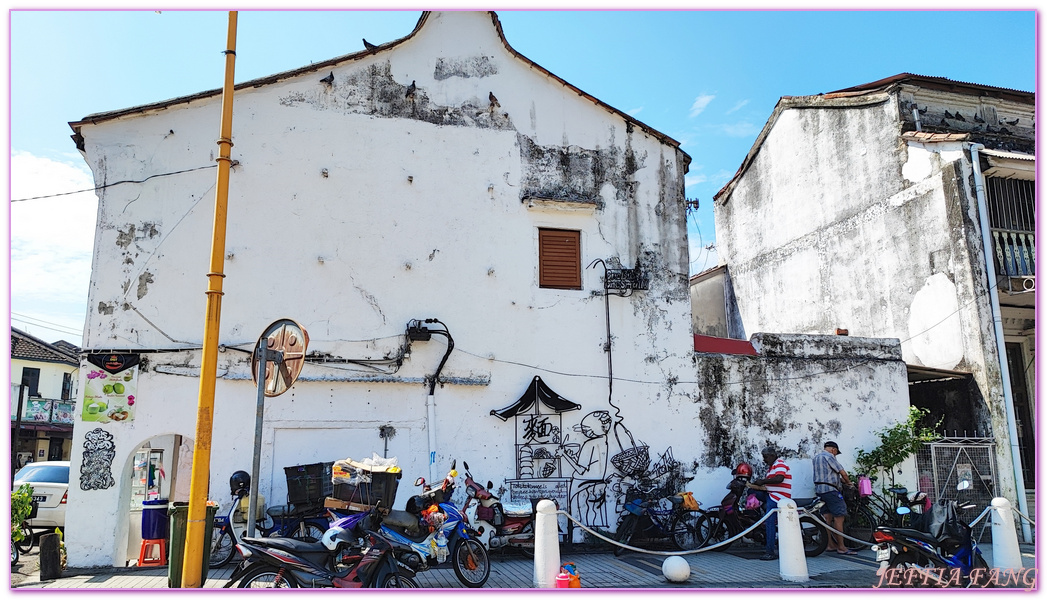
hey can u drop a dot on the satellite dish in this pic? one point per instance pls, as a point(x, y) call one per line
point(289, 338)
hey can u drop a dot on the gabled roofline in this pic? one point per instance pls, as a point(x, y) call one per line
point(62, 355)
point(867, 94)
point(836, 100)
point(106, 116)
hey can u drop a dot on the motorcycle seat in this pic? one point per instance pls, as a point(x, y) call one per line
point(916, 534)
point(288, 544)
point(517, 509)
point(403, 521)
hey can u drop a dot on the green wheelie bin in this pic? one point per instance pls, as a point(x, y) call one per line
point(178, 513)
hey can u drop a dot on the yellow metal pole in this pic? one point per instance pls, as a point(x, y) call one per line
point(192, 565)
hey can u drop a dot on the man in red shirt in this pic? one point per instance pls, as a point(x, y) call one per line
point(778, 484)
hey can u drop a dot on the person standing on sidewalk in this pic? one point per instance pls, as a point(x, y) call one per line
point(829, 477)
point(778, 484)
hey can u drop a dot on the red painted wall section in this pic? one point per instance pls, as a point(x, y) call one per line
point(719, 345)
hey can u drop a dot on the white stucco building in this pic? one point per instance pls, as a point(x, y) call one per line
point(443, 176)
point(903, 208)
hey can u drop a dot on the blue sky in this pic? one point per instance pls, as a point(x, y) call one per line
point(708, 78)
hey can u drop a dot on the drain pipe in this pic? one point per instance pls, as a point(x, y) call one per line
point(1001, 349)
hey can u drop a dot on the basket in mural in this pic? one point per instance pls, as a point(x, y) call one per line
point(633, 459)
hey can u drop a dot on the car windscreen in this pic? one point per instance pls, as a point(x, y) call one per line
point(43, 474)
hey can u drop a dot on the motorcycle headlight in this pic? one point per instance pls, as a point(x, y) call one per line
point(469, 491)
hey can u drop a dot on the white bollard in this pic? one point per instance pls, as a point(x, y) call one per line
point(546, 545)
point(792, 562)
point(1005, 551)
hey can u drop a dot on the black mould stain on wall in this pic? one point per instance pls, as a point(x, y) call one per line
point(574, 174)
point(373, 91)
point(472, 66)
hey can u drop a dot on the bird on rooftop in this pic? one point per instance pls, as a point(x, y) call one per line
point(978, 119)
point(494, 101)
point(369, 45)
point(959, 117)
point(1014, 122)
point(329, 79)
point(410, 90)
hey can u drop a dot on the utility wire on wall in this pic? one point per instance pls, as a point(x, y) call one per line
point(115, 183)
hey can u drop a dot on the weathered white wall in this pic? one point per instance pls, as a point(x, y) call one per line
point(872, 234)
point(353, 210)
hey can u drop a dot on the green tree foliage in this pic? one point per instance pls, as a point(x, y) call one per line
point(21, 506)
point(897, 443)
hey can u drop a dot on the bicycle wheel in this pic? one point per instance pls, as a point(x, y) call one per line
point(223, 547)
point(395, 580)
point(309, 532)
point(27, 542)
point(859, 524)
point(624, 534)
point(713, 530)
point(815, 537)
point(684, 528)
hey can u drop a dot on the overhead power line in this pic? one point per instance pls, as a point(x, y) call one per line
point(115, 183)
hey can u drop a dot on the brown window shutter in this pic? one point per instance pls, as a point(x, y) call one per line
point(559, 259)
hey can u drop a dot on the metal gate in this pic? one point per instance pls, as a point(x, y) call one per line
point(944, 463)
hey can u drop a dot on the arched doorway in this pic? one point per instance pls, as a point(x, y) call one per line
point(159, 468)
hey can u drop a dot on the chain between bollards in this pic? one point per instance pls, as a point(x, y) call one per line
point(660, 553)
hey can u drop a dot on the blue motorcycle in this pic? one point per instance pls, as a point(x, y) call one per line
point(432, 531)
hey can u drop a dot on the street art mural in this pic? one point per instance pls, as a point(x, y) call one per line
point(590, 470)
point(96, 470)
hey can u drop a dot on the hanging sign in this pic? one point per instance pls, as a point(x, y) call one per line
point(111, 389)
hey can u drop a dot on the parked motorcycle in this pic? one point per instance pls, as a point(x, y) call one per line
point(432, 530)
point(350, 555)
point(499, 525)
point(739, 510)
point(939, 551)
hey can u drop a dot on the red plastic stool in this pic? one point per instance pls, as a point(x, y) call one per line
point(145, 556)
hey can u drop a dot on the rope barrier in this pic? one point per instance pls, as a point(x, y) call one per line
point(661, 553)
point(1022, 515)
point(981, 516)
point(834, 530)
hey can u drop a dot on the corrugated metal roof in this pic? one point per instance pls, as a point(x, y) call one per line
point(929, 81)
point(1009, 155)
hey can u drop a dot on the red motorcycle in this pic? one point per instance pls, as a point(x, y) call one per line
point(498, 525)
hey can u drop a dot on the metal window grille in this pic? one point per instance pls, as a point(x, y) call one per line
point(942, 464)
point(1012, 219)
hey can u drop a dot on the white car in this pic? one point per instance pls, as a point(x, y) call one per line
point(50, 482)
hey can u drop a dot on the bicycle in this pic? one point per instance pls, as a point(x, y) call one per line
point(860, 522)
point(28, 541)
point(665, 517)
point(307, 523)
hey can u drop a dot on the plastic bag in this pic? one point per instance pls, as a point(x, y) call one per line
point(689, 503)
point(865, 486)
point(752, 502)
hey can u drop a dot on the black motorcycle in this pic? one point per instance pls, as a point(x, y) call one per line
point(732, 517)
point(938, 551)
point(350, 555)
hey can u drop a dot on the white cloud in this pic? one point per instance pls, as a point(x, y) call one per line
point(689, 180)
point(737, 106)
point(51, 241)
point(700, 103)
point(740, 129)
point(635, 111)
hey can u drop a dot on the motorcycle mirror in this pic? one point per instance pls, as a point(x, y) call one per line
point(454, 463)
point(964, 485)
point(466, 465)
point(490, 484)
point(419, 481)
point(903, 510)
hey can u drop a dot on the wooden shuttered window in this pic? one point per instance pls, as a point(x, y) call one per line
point(560, 259)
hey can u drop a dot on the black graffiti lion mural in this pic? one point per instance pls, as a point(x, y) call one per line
point(96, 470)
